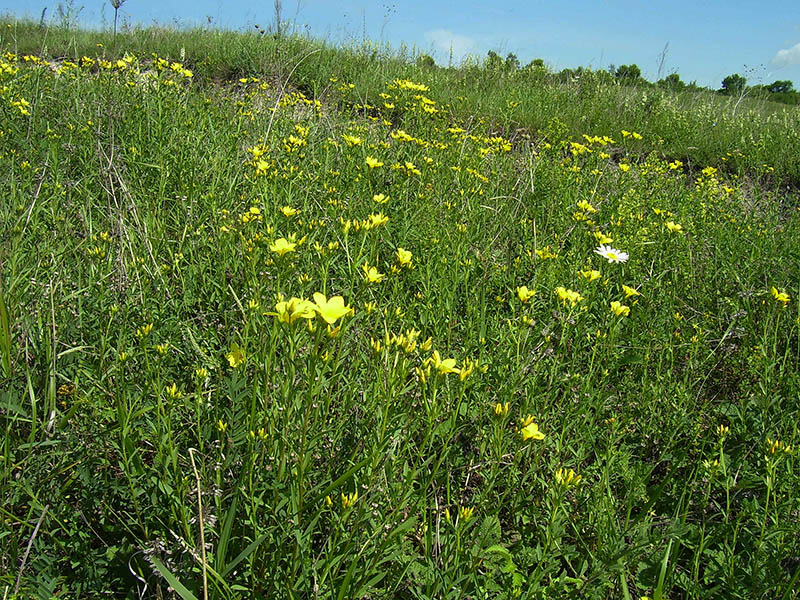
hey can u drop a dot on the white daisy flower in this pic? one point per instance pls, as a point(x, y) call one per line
point(612, 255)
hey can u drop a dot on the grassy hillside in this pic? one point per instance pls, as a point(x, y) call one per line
point(743, 136)
point(284, 320)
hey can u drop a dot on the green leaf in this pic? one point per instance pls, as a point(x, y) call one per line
point(225, 536)
point(658, 594)
point(244, 554)
point(5, 335)
point(172, 580)
point(346, 477)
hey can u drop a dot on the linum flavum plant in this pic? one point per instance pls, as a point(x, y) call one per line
point(261, 343)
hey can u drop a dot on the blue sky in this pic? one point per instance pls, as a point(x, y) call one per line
point(705, 40)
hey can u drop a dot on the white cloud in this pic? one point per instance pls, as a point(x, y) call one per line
point(445, 41)
point(789, 56)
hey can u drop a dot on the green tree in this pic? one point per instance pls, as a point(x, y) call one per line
point(512, 62)
point(791, 97)
point(733, 85)
point(426, 61)
point(781, 87)
point(493, 60)
point(672, 82)
point(628, 73)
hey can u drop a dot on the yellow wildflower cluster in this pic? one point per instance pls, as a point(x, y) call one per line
point(349, 500)
point(567, 478)
point(407, 84)
point(545, 253)
point(407, 341)
point(329, 310)
point(567, 295)
point(776, 447)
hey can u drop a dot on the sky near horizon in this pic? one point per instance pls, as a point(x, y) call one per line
point(703, 41)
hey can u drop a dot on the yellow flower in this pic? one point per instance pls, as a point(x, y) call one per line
point(531, 432)
point(570, 296)
point(173, 392)
point(288, 211)
point(501, 410)
point(780, 296)
point(586, 207)
point(288, 311)
point(711, 465)
point(445, 366)
point(602, 238)
point(377, 219)
point(371, 274)
point(567, 478)
point(524, 294)
point(591, 274)
point(673, 227)
point(545, 253)
point(466, 513)
point(469, 366)
point(373, 162)
point(331, 310)
point(349, 500)
point(282, 246)
point(352, 140)
point(709, 171)
point(236, 356)
point(620, 309)
point(403, 256)
point(380, 198)
point(675, 165)
point(774, 446)
point(629, 291)
point(411, 168)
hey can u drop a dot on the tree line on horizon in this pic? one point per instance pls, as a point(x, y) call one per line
point(782, 91)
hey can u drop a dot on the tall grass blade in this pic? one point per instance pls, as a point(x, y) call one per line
point(5, 335)
point(176, 585)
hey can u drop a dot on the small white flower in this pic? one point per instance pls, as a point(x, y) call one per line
point(612, 255)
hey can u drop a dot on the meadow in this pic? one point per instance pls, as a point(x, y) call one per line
point(280, 319)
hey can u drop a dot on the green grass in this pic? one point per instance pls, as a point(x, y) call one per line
point(178, 417)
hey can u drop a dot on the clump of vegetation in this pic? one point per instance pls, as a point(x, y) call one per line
point(282, 320)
